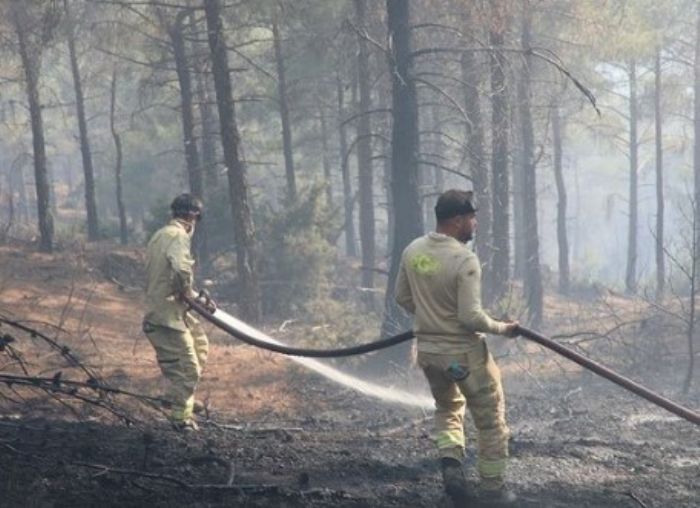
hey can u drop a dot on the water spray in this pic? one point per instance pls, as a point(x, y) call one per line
point(254, 337)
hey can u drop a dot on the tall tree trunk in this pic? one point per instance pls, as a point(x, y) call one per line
point(194, 169)
point(386, 170)
point(404, 152)
point(562, 239)
point(208, 121)
point(696, 207)
point(518, 168)
point(658, 122)
point(284, 115)
point(532, 273)
point(690, 330)
point(495, 285)
point(364, 154)
point(93, 228)
point(325, 159)
point(696, 127)
point(246, 257)
point(123, 231)
point(31, 62)
point(350, 247)
point(631, 275)
point(471, 76)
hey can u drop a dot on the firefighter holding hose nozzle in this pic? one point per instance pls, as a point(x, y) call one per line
point(439, 281)
point(178, 338)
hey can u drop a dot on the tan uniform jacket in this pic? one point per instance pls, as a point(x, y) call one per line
point(169, 266)
point(439, 281)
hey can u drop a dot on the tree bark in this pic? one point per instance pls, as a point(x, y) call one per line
point(194, 170)
point(284, 116)
point(495, 286)
point(562, 238)
point(696, 125)
point(208, 121)
point(350, 247)
point(93, 229)
point(325, 159)
point(123, 230)
point(364, 154)
point(631, 274)
point(246, 257)
point(474, 132)
point(30, 54)
point(404, 149)
point(531, 243)
point(658, 124)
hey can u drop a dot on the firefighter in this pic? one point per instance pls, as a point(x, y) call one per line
point(439, 281)
point(178, 338)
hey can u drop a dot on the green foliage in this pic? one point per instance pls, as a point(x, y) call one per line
point(159, 216)
point(297, 256)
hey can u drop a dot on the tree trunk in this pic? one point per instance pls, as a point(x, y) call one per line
point(246, 258)
point(325, 159)
point(690, 330)
point(631, 275)
point(31, 63)
point(364, 155)
point(495, 285)
point(384, 99)
point(284, 116)
point(696, 127)
point(123, 231)
point(532, 273)
point(194, 169)
point(658, 122)
point(208, 121)
point(696, 207)
point(562, 239)
point(518, 168)
point(93, 230)
point(350, 248)
point(404, 149)
point(471, 76)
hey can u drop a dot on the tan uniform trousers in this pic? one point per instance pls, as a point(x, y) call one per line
point(481, 391)
point(181, 356)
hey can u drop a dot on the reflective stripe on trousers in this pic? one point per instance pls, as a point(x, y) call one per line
point(181, 356)
point(482, 393)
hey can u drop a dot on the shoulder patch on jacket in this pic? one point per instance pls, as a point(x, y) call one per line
point(425, 264)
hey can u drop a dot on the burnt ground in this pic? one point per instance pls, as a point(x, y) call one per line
point(276, 435)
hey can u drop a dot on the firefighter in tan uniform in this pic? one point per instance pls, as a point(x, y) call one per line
point(179, 341)
point(439, 281)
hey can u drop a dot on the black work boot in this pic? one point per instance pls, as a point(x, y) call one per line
point(198, 407)
point(455, 481)
point(499, 496)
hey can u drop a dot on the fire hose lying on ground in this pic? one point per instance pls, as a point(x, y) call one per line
point(245, 333)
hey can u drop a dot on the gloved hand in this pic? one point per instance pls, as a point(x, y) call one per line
point(512, 329)
point(206, 300)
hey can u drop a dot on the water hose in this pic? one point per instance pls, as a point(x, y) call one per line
point(296, 351)
point(610, 375)
point(572, 355)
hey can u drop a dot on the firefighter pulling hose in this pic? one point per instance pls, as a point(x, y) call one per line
point(439, 282)
point(601, 370)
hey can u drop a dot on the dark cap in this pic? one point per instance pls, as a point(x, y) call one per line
point(452, 203)
point(186, 204)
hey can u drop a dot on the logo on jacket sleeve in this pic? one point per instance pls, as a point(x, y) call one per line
point(425, 264)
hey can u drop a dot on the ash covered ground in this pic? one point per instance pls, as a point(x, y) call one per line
point(278, 435)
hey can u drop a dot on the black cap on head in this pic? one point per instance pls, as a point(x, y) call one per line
point(186, 204)
point(452, 203)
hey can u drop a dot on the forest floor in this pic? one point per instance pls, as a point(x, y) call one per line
point(278, 435)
